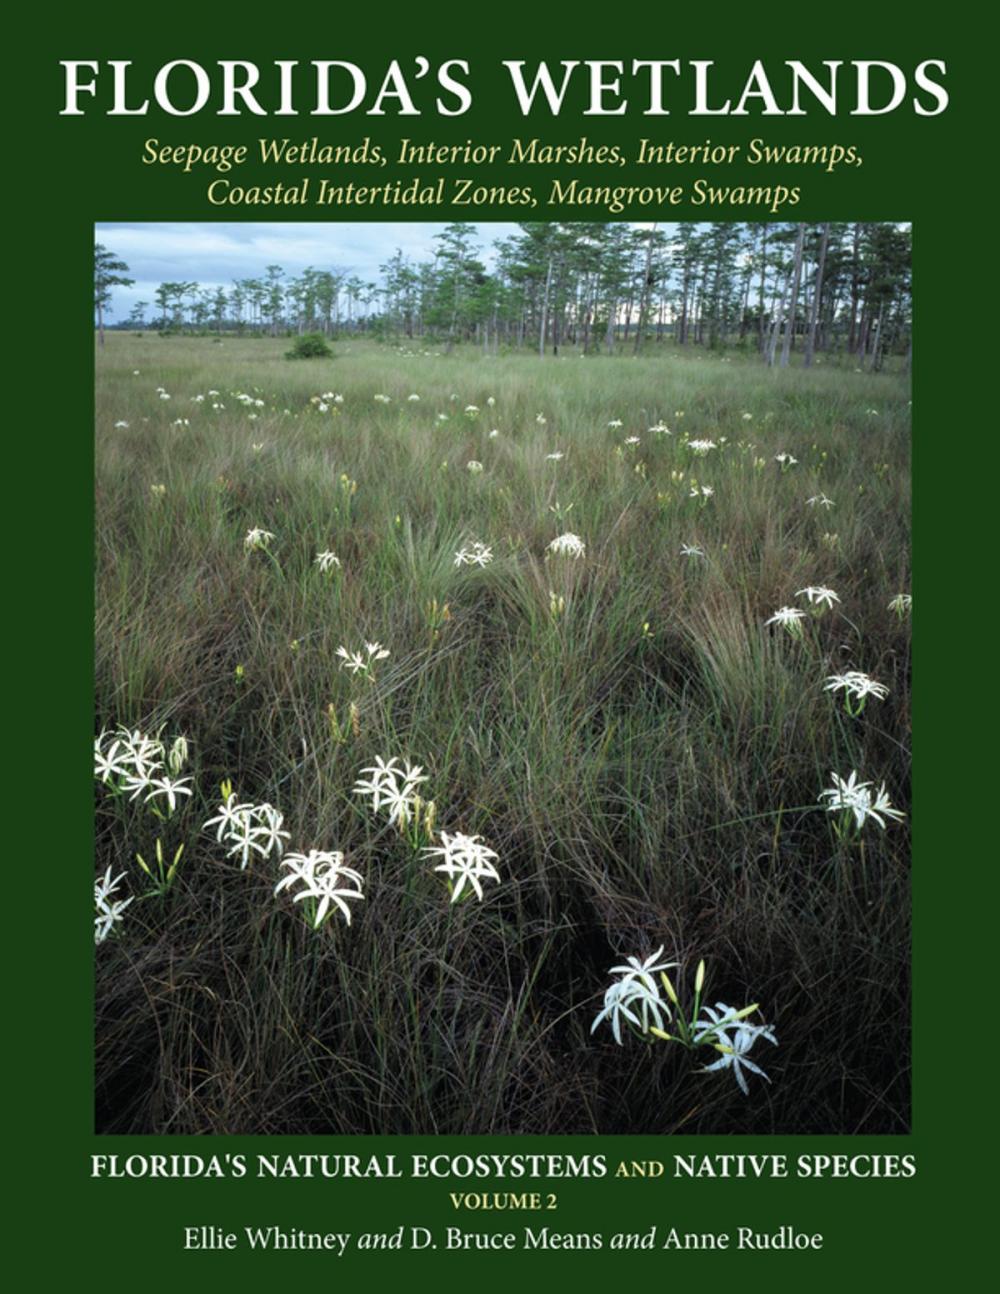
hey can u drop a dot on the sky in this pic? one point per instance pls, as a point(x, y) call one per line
point(214, 253)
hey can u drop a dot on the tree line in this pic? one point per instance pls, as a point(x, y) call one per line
point(777, 288)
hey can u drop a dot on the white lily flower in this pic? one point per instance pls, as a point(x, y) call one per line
point(169, 789)
point(230, 817)
point(567, 545)
point(322, 875)
point(107, 909)
point(267, 832)
point(248, 829)
point(391, 787)
point(474, 554)
point(644, 971)
point(635, 996)
point(635, 1001)
point(257, 539)
point(851, 796)
point(738, 1037)
point(787, 617)
point(818, 596)
point(358, 662)
point(465, 860)
point(326, 561)
point(114, 762)
point(242, 841)
point(856, 684)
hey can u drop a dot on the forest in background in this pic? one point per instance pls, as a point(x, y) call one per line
point(777, 289)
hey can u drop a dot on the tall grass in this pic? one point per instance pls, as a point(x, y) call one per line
point(642, 786)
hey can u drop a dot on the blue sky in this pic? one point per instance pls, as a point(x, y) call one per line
point(214, 253)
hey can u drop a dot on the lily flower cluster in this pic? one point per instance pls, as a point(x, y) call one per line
point(567, 545)
point(644, 1005)
point(327, 561)
point(850, 797)
point(788, 618)
point(248, 829)
point(857, 687)
point(124, 755)
point(819, 597)
point(474, 554)
point(357, 662)
point(635, 997)
point(392, 789)
point(465, 860)
point(107, 909)
point(325, 883)
point(133, 762)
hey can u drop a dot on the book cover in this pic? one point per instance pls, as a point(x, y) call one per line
point(469, 483)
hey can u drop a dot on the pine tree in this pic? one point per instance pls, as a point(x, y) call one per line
point(109, 272)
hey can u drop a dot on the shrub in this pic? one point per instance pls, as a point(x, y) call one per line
point(311, 345)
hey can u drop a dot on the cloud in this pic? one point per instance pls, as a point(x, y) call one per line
point(215, 253)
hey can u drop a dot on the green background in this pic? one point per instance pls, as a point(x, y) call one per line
point(66, 174)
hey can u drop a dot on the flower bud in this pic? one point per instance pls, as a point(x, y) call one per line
point(178, 756)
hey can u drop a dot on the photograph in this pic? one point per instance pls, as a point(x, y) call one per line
point(502, 678)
